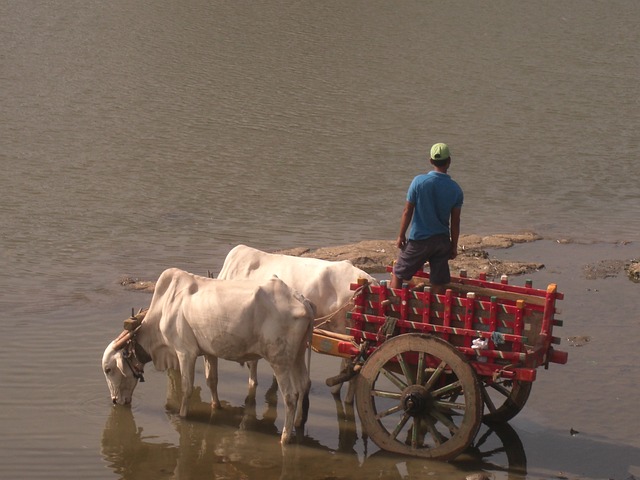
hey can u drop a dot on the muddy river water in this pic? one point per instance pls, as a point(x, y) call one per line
point(137, 136)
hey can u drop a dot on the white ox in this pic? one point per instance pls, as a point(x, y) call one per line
point(240, 320)
point(325, 283)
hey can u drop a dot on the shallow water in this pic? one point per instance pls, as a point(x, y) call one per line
point(140, 136)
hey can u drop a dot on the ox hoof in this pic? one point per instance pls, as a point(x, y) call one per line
point(285, 438)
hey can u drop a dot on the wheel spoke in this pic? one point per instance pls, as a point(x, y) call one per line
point(420, 372)
point(394, 379)
point(451, 426)
point(503, 399)
point(414, 433)
point(435, 375)
point(445, 405)
point(438, 438)
point(452, 387)
point(385, 394)
point(487, 399)
point(498, 387)
point(405, 369)
point(403, 421)
point(389, 411)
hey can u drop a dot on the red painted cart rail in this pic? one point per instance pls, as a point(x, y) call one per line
point(503, 329)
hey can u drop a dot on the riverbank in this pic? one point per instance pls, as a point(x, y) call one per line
point(477, 254)
point(373, 256)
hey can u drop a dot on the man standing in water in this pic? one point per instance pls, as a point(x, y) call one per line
point(434, 203)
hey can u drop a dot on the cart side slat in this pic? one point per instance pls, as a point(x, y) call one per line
point(517, 322)
point(469, 316)
point(429, 328)
point(472, 314)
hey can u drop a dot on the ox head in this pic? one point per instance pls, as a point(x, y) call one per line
point(121, 364)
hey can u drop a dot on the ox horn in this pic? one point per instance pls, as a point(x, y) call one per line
point(134, 321)
point(122, 340)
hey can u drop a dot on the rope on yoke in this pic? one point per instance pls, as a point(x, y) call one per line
point(319, 322)
point(387, 329)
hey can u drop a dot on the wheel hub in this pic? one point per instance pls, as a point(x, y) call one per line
point(415, 400)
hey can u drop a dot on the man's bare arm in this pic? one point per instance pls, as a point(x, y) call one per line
point(455, 231)
point(407, 215)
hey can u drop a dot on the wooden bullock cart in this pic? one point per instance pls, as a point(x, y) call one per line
point(430, 368)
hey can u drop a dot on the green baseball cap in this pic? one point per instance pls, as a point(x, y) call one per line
point(440, 151)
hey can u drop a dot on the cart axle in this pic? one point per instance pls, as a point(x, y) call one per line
point(415, 400)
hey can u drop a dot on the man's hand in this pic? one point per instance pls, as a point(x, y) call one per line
point(407, 214)
point(454, 251)
point(401, 242)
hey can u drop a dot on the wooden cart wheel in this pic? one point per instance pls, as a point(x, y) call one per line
point(503, 399)
point(417, 395)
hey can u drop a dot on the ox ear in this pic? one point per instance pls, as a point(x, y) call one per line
point(120, 364)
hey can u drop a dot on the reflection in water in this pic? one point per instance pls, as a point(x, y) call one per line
point(127, 452)
point(237, 443)
point(347, 432)
point(212, 442)
point(496, 447)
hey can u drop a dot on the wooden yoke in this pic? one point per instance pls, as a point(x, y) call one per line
point(134, 321)
point(130, 326)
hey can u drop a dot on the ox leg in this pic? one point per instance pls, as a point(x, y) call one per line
point(303, 386)
point(187, 370)
point(290, 397)
point(271, 399)
point(253, 376)
point(294, 387)
point(211, 375)
point(174, 390)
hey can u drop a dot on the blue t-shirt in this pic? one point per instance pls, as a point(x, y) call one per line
point(434, 195)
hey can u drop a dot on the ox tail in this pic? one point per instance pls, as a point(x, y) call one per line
point(309, 341)
point(311, 309)
point(306, 393)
